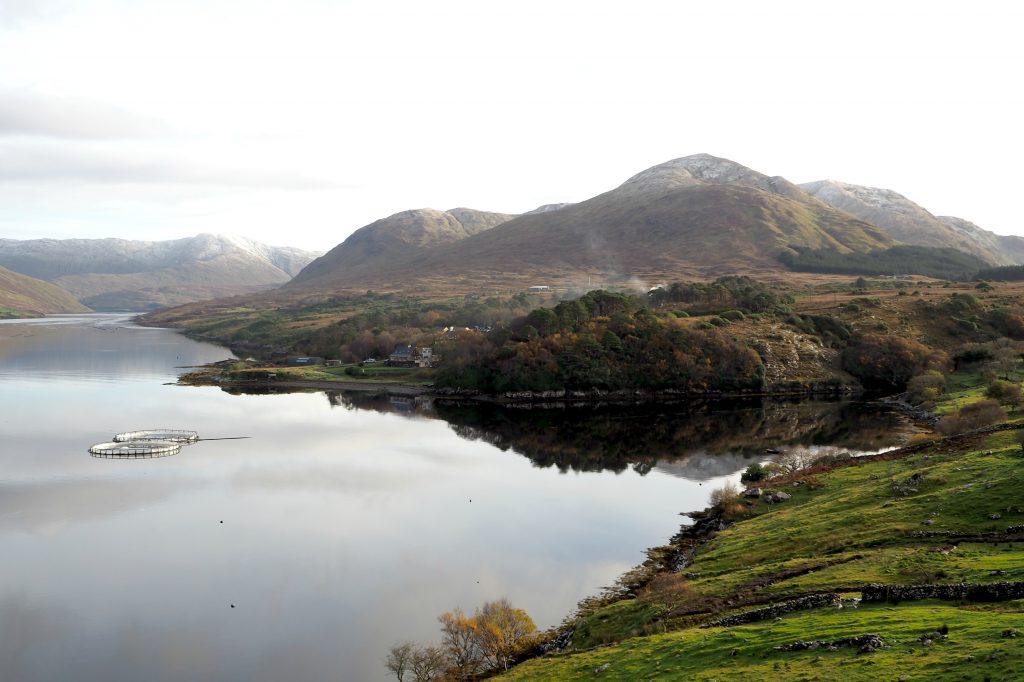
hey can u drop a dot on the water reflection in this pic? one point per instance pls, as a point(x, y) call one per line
point(698, 441)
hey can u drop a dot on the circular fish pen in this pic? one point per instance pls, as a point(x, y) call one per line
point(135, 449)
point(166, 435)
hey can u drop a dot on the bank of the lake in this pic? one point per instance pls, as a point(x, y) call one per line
point(924, 539)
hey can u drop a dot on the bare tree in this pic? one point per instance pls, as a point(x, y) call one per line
point(399, 659)
point(429, 664)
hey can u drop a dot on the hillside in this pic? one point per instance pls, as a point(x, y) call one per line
point(910, 223)
point(699, 216)
point(900, 566)
point(403, 234)
point(1010, 246)
point(23, 296)
point(118, 274)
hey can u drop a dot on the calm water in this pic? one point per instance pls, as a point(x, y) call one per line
point(343, 524)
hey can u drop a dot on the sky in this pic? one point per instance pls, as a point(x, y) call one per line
point(296, 123)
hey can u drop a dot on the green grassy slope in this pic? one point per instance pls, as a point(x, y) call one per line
point(842, 529)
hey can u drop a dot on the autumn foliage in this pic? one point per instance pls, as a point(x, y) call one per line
point(886, 361)
point(602, 341)
point(488, 641)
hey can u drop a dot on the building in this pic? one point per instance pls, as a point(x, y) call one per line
point(402, 356)
point(408, 356)
point(303, 361)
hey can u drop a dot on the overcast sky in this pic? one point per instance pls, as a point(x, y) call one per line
point(297, 122)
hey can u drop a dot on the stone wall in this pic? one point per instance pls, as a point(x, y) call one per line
point(1002, 591)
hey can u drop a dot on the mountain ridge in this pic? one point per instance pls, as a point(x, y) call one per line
point(910, 223)
point(122, 274)
point(698, 216)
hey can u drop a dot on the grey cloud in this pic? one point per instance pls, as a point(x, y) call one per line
point(30, 114)
point(34, 163)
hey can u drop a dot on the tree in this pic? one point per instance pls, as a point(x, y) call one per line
point(424, 664)
point(399, 659)
point(503, 632)
point(885, 360)
point(429, 664)
point(461, 643)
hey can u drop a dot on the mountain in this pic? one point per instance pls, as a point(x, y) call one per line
point(1010, 246)
point(402, 234)
point(697, 216)
point(909, 223)
point(21, 295)
point(119, 274)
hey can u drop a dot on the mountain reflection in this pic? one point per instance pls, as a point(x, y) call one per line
point(697, 441)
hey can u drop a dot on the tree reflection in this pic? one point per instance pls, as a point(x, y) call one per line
point(697, 441)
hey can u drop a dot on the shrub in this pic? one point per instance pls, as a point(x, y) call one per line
point(755, 472)
point(667, 586)
point(1006, 392)
point(723, 495)
point(970, 417)
point(926, 387)
point(733, 315)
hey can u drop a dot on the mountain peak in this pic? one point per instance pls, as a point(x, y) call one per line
point(705, 169)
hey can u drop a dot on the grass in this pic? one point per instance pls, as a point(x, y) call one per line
point(842, 529)
point(380, 375)
point(974, 649)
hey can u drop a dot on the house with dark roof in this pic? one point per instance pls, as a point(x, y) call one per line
point(403, 356)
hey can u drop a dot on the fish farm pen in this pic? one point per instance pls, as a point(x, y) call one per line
point(135, 449)
point(167, 435)
point(149, 443)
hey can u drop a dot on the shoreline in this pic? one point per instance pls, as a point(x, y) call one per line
point(557, 398)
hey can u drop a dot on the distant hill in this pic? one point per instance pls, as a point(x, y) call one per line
point(379, 243)
point(699, 216)
point(910, 223)
point(21, 295)
point(119, 274)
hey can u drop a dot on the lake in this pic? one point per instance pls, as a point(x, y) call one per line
point(341, 524)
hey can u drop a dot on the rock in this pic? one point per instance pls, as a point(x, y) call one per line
point(927, 522)
point(776, 496)
point(601, 668)
point(1009, 632)
point(995, 516)
point(752, 492)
